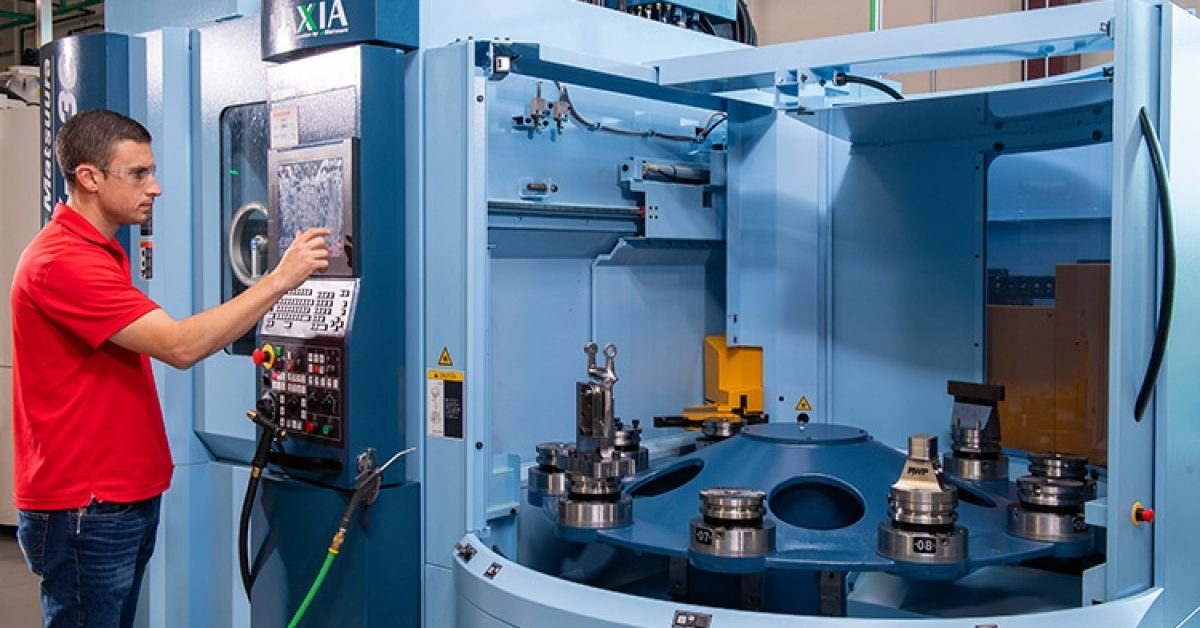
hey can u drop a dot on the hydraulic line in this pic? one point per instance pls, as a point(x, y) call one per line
point(257, 464)
point(335, 546)
point(366, 490)
point(312, 591)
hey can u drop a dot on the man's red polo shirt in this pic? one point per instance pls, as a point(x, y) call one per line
point(86, 420)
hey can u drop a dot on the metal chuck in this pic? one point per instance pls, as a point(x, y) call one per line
point(627, 445)
point(594, 499)
point(717, 430)
point(922, 511)
point(975, 433)
point(595, 502)
point(732, 524)
point(1051, 500)
point(549, 477)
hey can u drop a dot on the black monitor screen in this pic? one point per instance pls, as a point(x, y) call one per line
point(310, 195)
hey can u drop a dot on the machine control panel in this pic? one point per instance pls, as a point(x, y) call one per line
point(307, 387)
point(319, 307)
point(304, 359)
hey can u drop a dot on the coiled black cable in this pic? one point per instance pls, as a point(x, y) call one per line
point(1166, 304)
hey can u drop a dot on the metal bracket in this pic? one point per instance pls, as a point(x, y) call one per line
point(500, 64)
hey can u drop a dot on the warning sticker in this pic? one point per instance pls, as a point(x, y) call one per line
point(803, 405)
point(444, 359)
point(445, 412)
point(285, 128)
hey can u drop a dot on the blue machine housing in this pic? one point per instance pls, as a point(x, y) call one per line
point(849, 244)
point(91, 71)
point(334, 97)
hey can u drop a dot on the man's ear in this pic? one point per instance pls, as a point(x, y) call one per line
point(87, 178)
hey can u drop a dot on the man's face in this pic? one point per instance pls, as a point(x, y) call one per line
point(127, 188)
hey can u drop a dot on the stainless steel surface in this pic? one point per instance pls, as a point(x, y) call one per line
point(1047, 526)
point(733, 542)
point(627, 437)
point(595, 421)
point(633, 462)
point(544, 484)
point(922, 447)
point(732, 504)
point(921, 496)
point(975, 429)
point(627, 443)
point(246, 259)
point(922, 546)
point(1054, 492)
point(976, 468)
point(923, 507)
point(1058, 465)
point(596, 514)
point(593, 486)
point(595, 466)
point(560, 209)
point(555, 454)
point(720, 428)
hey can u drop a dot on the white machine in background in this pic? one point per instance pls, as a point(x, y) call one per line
point(18, 223)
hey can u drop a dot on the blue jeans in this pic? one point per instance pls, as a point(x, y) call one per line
point(90, 560)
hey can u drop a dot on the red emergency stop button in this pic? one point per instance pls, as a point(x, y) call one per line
point(264, 357)
point(1141, 514)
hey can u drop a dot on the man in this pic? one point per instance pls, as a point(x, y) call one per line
point(90, 446)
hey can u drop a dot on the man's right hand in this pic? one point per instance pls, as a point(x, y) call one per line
point(307, 254)
point(183, 343)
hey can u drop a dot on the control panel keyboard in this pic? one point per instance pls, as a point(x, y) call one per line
point(319, 307)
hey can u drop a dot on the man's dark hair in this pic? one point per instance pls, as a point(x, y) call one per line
point(90, 137)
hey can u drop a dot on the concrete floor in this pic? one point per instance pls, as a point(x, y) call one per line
point(19, 603)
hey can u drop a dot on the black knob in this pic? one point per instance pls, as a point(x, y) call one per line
point(266, 406)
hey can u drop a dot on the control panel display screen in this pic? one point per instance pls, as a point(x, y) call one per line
point(311, 195)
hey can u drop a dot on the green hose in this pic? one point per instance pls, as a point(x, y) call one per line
point(312, 591)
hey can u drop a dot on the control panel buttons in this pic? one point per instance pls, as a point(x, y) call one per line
point(1141, 514)
point(303, 378)
point(264, 357)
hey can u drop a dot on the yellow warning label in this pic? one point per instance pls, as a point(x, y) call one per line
point(449, 376)
point(803, 405)
point(445, 359)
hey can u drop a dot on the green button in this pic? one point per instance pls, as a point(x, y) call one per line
point(326, 430)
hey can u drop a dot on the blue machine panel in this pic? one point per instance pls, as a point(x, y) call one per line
point(907, 287)
point(854, 256)
point(90, 71)
point(219, 418)
point(294, 27)
point(1179, 402)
